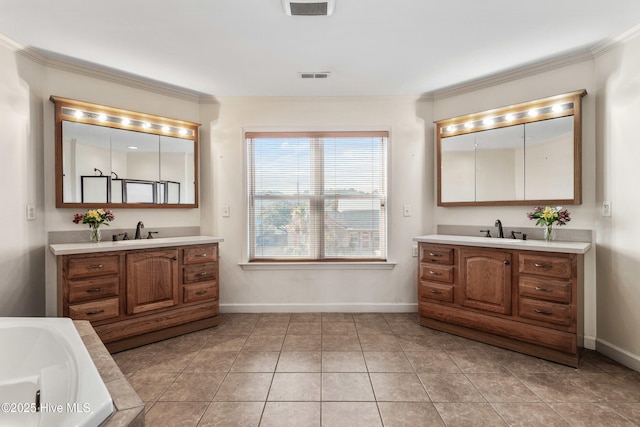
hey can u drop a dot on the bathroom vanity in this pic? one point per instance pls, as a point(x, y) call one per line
point(525, 296)
point(139, 291)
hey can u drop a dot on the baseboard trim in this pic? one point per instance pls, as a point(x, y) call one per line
point(618, 354)
point(321, 308)
point(589, 343)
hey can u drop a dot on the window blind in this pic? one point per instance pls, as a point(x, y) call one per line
point(317, 196)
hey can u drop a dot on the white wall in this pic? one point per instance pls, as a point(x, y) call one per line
point(321, 288)
point(22, 248)
point(618, 113)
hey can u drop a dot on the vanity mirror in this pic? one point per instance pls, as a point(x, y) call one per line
point(523, 154)
point(119, 158)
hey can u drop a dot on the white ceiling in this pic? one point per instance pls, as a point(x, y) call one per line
point(373, 47)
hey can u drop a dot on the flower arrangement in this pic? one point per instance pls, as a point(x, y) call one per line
point(548, 216)
point(95, 218)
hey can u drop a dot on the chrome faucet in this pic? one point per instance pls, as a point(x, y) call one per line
point(139, 226)
point(500, 231)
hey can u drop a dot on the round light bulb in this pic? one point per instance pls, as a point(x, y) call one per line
point(468, 125)
point(533, 112)
point(125, 121)
point(509, 117)
point(488, 121)
point(146, 125)
point(78, 114)
point(102, 117)
point(166, 128)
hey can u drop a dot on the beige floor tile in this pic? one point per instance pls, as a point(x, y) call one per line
point(518, 362)
point(392, 387)
point(302, 342)
point(167, 361)
point(606, 387)
point(379, 342)
point(435, 362)
point(306, 317)
point(502, 387)
point(529, 414)
point(343, 361)
point(590, 414)
point(305, 328)
point(135, 359)
point(295, 387)
point(477, 361)
point(255, 361)
point(409, 414)
point(450, 388)
point(555, 388)
point(212, 361)
point(270, 328)
point(239, 328)
point(350, 414)
point(244, 387)
point(631, 411)
point(225, 342)
point(387, 361)
point(174, 414)
point(339, 328)
point(340, 342)
point(232, 414)
point(299, 361)
point(193, 387)
point(469, 415)
point(150, 385)
point(291, 414)
point(418, 342)
point(341, 386)
point(264, 343)
point(370, 328)
point(337, 317)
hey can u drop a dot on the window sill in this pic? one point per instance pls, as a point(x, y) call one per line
point(387, 265)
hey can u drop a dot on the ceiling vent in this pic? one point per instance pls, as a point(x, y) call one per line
point(308, 7)
point(315, 75)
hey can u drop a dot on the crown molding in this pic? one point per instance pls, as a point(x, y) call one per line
point(613, 42)
point(509, 75)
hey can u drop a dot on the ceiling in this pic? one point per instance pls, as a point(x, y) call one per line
point(372, 47)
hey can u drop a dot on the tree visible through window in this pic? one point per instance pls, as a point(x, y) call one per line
point(317, 196)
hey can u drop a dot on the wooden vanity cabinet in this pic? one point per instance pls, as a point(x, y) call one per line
point(134, 297)
point(525, 301)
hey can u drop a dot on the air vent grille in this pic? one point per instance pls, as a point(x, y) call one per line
point(315, 75)
point(308, 7)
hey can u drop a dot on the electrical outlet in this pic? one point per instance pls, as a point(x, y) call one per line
point(226, 211)
point(31, 212)
point(414, 251)
point(606, 208)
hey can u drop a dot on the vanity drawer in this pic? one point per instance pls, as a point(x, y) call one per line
point(200, 292)
point(546, 266)
point(92, 266)
point(199, 273)
point(545, 311)
point(436, 273)
point(94, 288)
point(95, 310)
point(546, 289)
point(435, 291)
point(436, 254)
point(200, 254)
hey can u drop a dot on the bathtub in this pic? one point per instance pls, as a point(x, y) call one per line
point(47, 377)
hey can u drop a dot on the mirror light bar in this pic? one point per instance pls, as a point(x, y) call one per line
point(124, 121)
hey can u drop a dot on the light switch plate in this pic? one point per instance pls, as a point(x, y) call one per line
point(31, 212)
point(226, 211)
point(606, 208)
point(406, 210)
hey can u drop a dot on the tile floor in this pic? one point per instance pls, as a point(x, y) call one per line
point(336, 369)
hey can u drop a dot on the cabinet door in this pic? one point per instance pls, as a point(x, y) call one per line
point(485, 280)
point(152, 280)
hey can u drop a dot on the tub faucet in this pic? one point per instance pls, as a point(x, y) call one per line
point(500, 231)
point(139, 226)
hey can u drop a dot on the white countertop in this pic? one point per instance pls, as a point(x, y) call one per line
point(492, 242)
point(124, 245)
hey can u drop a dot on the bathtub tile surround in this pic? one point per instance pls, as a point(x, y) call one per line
point(128, 407)
point(368, 369)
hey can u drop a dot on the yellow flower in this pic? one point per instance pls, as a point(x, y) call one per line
point(549, 213)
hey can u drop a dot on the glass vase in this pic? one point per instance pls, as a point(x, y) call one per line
point(95, 234)
point(549, 233)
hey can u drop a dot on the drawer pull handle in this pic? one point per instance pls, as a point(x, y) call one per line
point(204, 273)
point(436, 255)
point(538, 265)
point(92, 290)
point(96, 266)
point(506, 262)
point(91, 313)
point(201, 292)
point(537, 310)
point(538, 288)
point(201, 255)
point(433, 291)
point(434, 273)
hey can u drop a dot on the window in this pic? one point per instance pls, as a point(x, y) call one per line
point(317, 196)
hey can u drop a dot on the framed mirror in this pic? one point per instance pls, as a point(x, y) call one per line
point(117, 158)
point(523, 154)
